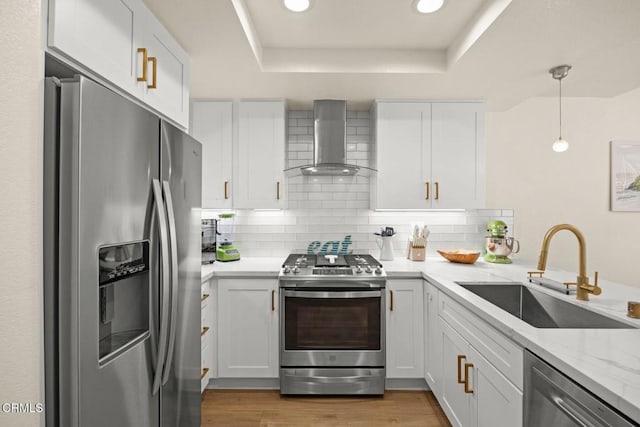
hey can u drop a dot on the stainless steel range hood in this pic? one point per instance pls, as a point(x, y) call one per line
point(330, 143)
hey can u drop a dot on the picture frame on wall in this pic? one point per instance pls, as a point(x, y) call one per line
point(625, 176)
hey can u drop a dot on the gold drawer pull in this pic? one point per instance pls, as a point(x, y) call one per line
point(154, 72)
point(273, 300)
point(226, 190)
point(278, 190)
point(426, 190)
point(204, 373)
point(204, 297)
point(143, 51)
point(467, 389)
point(391, 301)
point(437, 190)
point(204, 330)
point(460, 359)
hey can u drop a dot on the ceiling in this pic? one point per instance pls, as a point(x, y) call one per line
point(360, 50)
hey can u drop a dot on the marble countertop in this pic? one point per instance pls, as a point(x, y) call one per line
point(605, 361)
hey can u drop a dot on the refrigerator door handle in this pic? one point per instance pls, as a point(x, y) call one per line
point(164, 314)
point(174, 279)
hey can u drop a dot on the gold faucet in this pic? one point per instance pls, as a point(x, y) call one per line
point(583, 286)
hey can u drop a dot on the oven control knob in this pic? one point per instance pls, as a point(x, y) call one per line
point(368, 269)
point(286, 270)
point(295, 270)
point(358, 269)
point(378, 270)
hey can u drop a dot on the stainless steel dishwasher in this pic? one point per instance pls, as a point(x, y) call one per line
point(552, 399)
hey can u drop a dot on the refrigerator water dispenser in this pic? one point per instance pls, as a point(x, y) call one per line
point(123, 319)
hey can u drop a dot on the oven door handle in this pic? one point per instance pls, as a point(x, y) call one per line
point(333, 294)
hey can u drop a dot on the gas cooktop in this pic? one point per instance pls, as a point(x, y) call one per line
point(317, 266)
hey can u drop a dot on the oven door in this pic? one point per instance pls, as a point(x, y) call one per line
point(332, 328)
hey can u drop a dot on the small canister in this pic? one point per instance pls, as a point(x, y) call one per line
point(633, 309)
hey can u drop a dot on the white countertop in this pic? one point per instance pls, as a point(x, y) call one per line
point(605, 361)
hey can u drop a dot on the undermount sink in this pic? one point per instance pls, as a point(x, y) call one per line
point(539, 309)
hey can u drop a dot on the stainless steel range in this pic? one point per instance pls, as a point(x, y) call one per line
point(332, 325)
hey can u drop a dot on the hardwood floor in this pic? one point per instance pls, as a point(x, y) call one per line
point(267, 408)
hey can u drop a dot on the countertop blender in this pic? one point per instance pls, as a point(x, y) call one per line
point(498, 245)
point(225, 251)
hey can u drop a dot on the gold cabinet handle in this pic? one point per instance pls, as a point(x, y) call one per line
point(278, 190)
point(390, 300)
point(205, 329)
point(204, 372)
point(437, 190)
point(460, 359)
point(204, 297)
point(154, 72)
point(273, 300)
point(426, 190)
point(143, 51)
point(226, 190)
point(467, 389)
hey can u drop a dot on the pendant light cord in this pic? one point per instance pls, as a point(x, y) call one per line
point(560, 102)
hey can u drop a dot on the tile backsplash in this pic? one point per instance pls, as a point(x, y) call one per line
point(330, 208)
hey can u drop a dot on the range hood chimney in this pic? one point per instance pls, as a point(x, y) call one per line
point(330, 143)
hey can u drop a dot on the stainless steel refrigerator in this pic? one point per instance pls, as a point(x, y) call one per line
point(121, 262)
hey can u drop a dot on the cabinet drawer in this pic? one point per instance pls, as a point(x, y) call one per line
point(499, 350)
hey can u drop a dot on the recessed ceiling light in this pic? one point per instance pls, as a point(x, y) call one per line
point(428, 6)
point(297, 5)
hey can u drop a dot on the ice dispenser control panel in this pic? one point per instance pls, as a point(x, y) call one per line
point(120, 261)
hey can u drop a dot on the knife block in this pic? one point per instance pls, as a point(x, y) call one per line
point(415, 253)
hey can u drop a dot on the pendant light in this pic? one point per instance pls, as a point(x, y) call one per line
point(559, 73)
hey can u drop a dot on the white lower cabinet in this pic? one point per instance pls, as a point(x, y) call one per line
point(405, 322)
point(432, 346)
point(496, 402)
point(472, 390)
point(207, 331)
point(455, 402)
point(247, 328)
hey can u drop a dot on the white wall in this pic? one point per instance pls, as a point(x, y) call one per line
point(21, 71)
point(547, 188)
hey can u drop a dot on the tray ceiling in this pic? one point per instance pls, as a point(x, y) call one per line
point(496, 50)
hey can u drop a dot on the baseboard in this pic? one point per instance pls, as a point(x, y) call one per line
point(274, 384)
point(245, 383)
point(406, 384)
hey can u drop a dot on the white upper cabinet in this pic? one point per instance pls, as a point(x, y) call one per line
point(458, 157)
point(259, 156)
point(121, 42)
point(403, 136)
point(167, 85)
point(429, 155)
point(212, 125)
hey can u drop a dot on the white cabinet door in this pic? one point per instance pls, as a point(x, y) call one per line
point(167, 88)
point(429, 155)
point(100, 35)
point(402, 140)
point(259, 158)
point(247, 328)
point(497, 402)
point(110, 39)
point(453, 399)
point(433, 348)
point(457, 149)
point(405, 345)
point(212, 125)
